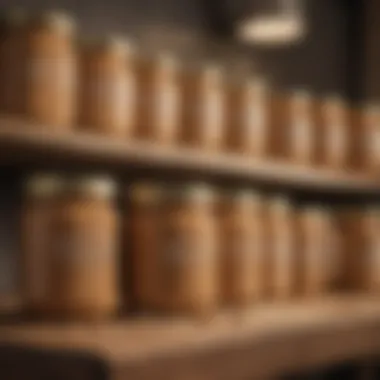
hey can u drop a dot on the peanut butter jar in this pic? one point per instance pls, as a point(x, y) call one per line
point(12, 61)
point(281, 249)
point(107, 87)
point(333, 145)
point(41, 194)
point(241, 247)
point(144, 224)
point(371, 275)
point(370, 141)
point(160, 100)
point(300, 128)
point(313, 251)
point(189, 281)
point(84, 251)
point(50, 96)
point(247, 114)
point(204, 109)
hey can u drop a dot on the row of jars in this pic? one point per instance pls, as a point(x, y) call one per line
point(106, 87)
point(182, 249)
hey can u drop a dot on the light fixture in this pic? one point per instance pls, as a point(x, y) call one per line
point(275, 22)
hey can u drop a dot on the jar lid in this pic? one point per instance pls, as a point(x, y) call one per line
point(334, 101)
point(44, 185)
point(167, 61)
point(194, 192)
point(315, 212)
point(246, 197)
point(145, 192)
point(372, 109)
point(57, 20)
point(117, 44)
point(279, 205)
point(100, 187)
point(256, 85)
point(212, 72)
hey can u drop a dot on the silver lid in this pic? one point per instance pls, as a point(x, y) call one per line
point(44, 185)
point(279, 205)
point(96, 186)
point(193, 192)
point(145, 192)
point(59, 21)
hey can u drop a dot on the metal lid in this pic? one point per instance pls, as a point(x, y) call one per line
point(167, 61)
point(44, 185)
point(279, 205)
point(96, 186)
point(246, 198)
point(116, 44)
point(193, 192)
point(212, 73)
point(256, 86)
point(145, 192)
point(60, 21)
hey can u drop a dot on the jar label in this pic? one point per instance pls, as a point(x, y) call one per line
point(253, 121)
point(301, 136)
point(336, 140)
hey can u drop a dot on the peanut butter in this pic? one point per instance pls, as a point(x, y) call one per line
point(248, 113)
point(84, 251)
point(159, 99)
point(41, 194)
point(242, 249)
point(51, 72)
point(188, 249)
point(108, 88)
point(204, 107)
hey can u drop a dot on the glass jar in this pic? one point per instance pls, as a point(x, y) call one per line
point(204, 109)
point(313, 251)
point(50, 97)
point(248, 113)
point(334, 134)
point(280, 245)
point(241, 246)
point(145, 222)
point(300, 128)
point(188, 251)
point(108, 88)
point(12, 61)
point(84, 251)
point(41, 194)
point(371, 265)
point(370, 141)
point(159, 99)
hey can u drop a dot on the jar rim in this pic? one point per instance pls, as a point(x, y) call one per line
point(97, 186)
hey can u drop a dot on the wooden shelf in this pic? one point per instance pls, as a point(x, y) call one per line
point(262, 342)
point(21, 143)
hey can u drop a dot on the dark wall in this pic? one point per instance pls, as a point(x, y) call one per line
point(318, 62)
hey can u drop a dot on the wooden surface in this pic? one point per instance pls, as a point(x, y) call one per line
point(22, 143)
point(264, 341)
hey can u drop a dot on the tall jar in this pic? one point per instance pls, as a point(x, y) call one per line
point(145, 220)
point(40, 198)
point(241, 247)
point(84, 251)
point(159, 99)
point(300, 128)
point(333, 151)
point(12, 61)
point(370, 141)
point(313, 251)
point(188, 251)
point(248, 113)
point(371, 275)
point(280, 245)
point(107, 88)
point(204, 109)
point(50, 96)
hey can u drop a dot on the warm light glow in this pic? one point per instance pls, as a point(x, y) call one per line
point(271, 30)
